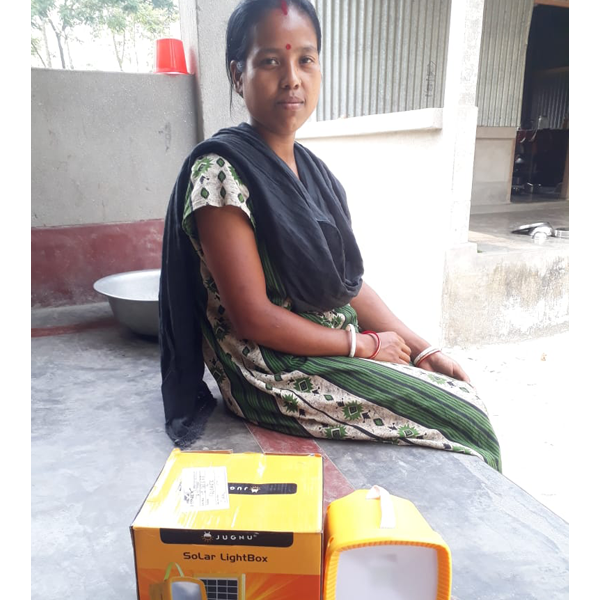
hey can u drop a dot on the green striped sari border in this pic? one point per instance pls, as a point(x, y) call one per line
point(472, 419)
point(419, 406)
point(257, 406)
point(408, 381)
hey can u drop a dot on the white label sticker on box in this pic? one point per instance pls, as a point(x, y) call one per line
point(205, 488)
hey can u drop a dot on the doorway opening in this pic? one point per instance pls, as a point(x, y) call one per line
point(541, 163)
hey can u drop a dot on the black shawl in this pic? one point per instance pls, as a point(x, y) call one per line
point(307, 230)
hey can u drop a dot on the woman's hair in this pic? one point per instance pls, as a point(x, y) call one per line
point(240, 30)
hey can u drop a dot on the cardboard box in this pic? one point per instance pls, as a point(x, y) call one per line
point(223, 526)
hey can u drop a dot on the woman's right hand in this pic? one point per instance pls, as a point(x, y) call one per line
point(393, 347)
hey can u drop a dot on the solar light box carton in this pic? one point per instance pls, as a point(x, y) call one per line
point(224, 526)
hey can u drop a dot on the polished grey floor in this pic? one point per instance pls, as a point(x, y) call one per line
point(98, 444)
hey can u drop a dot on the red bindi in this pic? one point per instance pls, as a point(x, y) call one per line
point(284, 7)
point(288, 47)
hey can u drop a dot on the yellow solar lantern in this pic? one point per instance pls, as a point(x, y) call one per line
point(380, 546)
point(178, 587)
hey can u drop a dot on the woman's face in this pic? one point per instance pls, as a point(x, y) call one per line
point(282, 79)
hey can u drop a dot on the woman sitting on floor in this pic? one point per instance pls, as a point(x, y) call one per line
point(262, 278)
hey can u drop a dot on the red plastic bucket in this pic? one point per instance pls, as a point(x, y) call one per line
point(170, 57)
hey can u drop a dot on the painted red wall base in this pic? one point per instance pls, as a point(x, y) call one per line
point(66, 261)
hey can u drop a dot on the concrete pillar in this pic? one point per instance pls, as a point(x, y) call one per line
point(460, 114)
point(203, 29)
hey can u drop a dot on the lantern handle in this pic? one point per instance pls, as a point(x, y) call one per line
point(388, 516)
point(168, 572)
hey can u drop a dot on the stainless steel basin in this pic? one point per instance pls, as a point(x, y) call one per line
point(133, 298)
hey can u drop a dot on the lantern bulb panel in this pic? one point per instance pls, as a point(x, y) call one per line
point(185, 590)
point(388, 572)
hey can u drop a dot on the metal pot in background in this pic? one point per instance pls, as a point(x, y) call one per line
point(540, 232)
point(133, 298)
point(561, 232)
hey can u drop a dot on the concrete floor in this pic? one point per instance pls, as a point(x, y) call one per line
point(523, 383)
point(98, 444)
point(490, 227)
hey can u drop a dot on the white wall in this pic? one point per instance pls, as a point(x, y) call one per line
point(492, 172)
point(107, 147)
point(388, 165)
point(506, 296)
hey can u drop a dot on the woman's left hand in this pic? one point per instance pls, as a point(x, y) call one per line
point(440, 363)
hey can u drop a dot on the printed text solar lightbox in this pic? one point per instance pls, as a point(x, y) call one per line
point(231, 526)
point(380, 546)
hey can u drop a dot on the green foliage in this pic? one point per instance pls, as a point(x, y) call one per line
point(40, 10)
point(154, 20)
point(153, 17)
point(125, 18)
point(36, 49)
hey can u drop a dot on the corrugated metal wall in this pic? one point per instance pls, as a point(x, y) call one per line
point(382, 56)
point(502, 61)
point(551, 97)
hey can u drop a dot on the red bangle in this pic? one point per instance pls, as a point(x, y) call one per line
point(374, 334)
